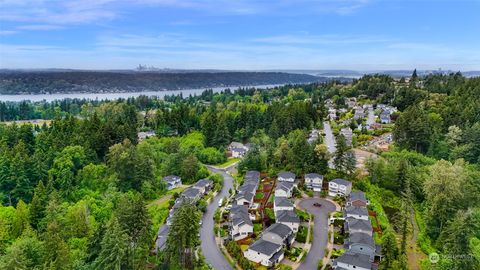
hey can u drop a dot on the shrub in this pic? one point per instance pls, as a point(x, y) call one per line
point(269, 212)
point(302, 234)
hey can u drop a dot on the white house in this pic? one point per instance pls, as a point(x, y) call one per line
point(264, 252)
point(284, 189)
point(279, 234)
point(282, 203)
point(286, 177)
point(289, 218)
point(339, 187)
point(145, 134)
point(314, 181)
point(352, 261)
point(240, 224)
point(356, 212)
point(237, 149)
point(172, 181)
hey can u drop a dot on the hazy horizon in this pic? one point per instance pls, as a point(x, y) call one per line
point(359, 35)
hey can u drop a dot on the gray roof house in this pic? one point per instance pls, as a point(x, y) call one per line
point(172, 181)
point(314, 181)
point(353, 225)
point(362, 243)
point(191, 193)
point(286, 177)
point(240, 224)
point(282, 203)
point(279, 233)
point(352, 261)
point(284, 189)
point(339, 187)
point(264, 252)
point(244, 198)
point(385, 117)
point(204, 185)
point(252, 175)
point(289, 218)
point(356, 212)
point(357, 198)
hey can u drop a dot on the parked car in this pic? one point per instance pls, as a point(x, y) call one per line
point(220, 202)
point(317, 204)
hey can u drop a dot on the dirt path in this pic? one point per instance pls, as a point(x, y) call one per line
point(414, 254)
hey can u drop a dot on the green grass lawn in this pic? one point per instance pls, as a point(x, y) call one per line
point(227, 163)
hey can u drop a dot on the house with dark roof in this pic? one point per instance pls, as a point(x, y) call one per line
point(353, 225)
point(286, 177)
point(339, 187)
point(357, 198)
point(356, 212)
point(289, 218)
point(385, 117)
point(240, 224)
point(282, 203)
point(244, 198)
point(172, 181)
point(264, 252)
point(314, 181)
point(280, 234)
point(192, 194)
point(353, 261)
point(284, 189)
point(252, 176)
point(362, 243)
point(204, 185)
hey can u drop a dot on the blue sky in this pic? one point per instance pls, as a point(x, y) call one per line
point(241, 34)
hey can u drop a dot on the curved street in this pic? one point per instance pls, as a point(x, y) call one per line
point(320, 230)
point(210, 249)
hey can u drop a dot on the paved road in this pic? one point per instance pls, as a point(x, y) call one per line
point(371, 116)
point(210, 250)
point(329, 141)
point(320, 231)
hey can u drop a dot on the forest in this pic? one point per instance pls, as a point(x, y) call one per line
point(41, 82)
point(74, 190)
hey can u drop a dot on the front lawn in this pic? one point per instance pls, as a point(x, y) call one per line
point(227, 163)
point(293, 253)
point(259, 195)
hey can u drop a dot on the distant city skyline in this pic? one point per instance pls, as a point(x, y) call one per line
point(241, 35)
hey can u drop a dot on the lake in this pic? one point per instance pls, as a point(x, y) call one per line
point(112, 96)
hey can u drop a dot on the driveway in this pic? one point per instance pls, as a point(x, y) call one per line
point(329, 141)
point(210, 249)
point(320, 230)
point(371, 116)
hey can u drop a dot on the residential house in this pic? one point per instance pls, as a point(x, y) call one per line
point(353, 225)
point(289, 218)
point(172, 181)
point(356, 212)
point(145, 134)
point(237, 149)
point(238, 152)
point(284, 189)
point(286, 177)
point(240, 224)
point(362, 243)
point(353, 261)
point(348, 134)
point(279, 234)
point(264, 252)
point(357, 198)
point(313, 136)
point(339, 187)
point(282, 203)
point(244, 198)
point(193, 194)
point(385, 117)
point(204, 185)
point(314, 181)
point(359, 113)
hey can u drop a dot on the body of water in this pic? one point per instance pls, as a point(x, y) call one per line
point(113, 96)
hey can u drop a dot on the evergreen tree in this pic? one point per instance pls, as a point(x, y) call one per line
point(182, 237)
point(113, 255)
point(38, 205)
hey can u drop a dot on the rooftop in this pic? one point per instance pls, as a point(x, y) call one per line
point(265, 247)
point(283, 202)
point(341, 181)
point(286, 175)
point(355, 210)
point(282, 230)
point(287, 216)
point(355, 259)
